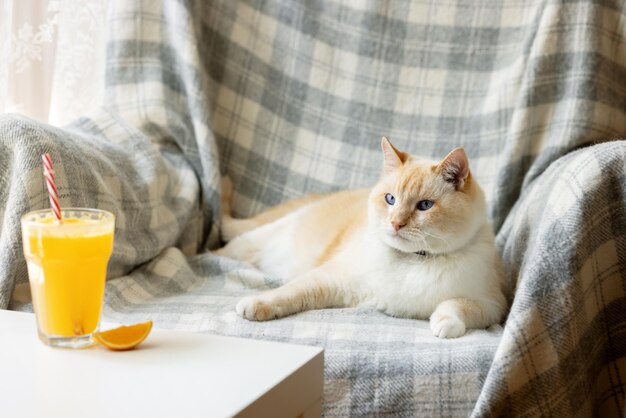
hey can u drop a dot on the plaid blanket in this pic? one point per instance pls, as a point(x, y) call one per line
point(292, 97)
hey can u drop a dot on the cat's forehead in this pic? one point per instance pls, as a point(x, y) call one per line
point(418, 167)
point(418, 175)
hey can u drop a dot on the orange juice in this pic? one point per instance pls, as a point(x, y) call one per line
point(67, 265)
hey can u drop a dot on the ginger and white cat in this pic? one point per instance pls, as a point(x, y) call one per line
point(416, 245)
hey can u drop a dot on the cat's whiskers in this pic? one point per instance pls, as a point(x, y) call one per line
point(415, 234)
point(445, 241)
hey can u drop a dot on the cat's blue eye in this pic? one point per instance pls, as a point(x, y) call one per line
point(425, 204)
point(390, 199)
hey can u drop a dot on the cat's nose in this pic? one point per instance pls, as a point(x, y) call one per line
point(397, 225)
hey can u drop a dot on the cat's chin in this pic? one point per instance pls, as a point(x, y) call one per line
point(399, 243)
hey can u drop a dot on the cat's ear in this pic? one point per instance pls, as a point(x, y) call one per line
point(393, 159)
point(455, 167)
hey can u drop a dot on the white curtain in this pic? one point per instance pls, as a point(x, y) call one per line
point(51, 57)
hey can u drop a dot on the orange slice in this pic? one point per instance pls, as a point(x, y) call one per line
point(125, 337)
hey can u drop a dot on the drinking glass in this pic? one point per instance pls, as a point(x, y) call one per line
point(67, 262)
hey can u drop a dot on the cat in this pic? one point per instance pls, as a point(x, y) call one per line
point(416, 245)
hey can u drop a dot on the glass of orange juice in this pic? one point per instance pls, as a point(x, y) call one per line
point(67, 263)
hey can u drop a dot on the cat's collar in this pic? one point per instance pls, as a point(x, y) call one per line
point(421, 253)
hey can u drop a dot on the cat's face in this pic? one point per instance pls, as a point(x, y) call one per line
point(423, 205)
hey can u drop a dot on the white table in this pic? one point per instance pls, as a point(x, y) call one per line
point(171, 374)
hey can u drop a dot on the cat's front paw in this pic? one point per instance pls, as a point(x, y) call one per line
point(254, 308)
point(446, 326)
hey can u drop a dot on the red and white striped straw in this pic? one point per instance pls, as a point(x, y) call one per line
point(48, 173)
